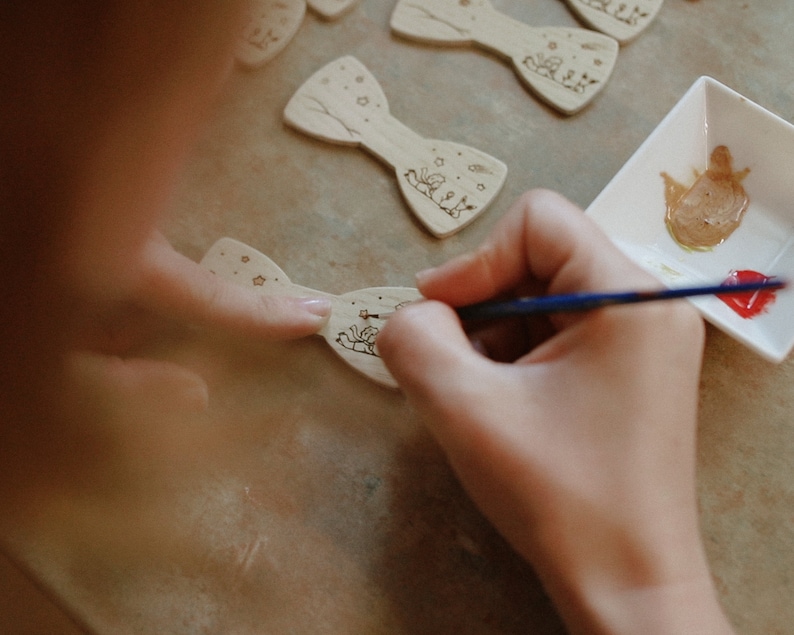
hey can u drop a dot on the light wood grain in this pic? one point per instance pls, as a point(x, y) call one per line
point(565, 67)
point(270, 25)
point(332, 9)
point(447, 185)
point(624, 20)
point(354, 323)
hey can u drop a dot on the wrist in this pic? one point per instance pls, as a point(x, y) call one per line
point(689, 606)
point(660, 589)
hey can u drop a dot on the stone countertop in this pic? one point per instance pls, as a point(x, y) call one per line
point(307, 499)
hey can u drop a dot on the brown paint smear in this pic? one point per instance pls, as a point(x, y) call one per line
point(705, 214)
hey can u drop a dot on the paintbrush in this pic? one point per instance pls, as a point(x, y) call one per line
point(570, 302)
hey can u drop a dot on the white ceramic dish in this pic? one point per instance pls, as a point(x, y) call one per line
point(631, 209)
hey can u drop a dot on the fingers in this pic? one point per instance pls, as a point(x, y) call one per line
point(469, 403)
point(545, 241)
point(424, 346)
point(174, 285)
point(119, 380)
point(423, 340)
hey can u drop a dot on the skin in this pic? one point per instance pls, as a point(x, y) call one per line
point(108, 99)
point(589, 423)
point(575, 435)
point(102, 104)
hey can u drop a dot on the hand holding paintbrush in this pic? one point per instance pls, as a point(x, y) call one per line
point(581, 451)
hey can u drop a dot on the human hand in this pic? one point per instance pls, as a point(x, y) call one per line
point(166, 288)
point(126, 421)
point(173, 285)
point(135, 87)
point(575, 434)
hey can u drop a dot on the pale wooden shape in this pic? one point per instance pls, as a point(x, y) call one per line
point(565, 67)
point(622, 19)
point(351, 330)
point(447, 185)
point(332, 9)
point(270, 25)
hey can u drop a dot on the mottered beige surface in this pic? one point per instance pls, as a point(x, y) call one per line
point(308, 498)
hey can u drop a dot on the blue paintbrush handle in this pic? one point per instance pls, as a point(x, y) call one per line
point(587, 301)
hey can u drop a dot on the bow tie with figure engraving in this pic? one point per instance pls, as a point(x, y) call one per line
point(565, 67)
point(622, 19)
point(356, 317)
point(447, 185)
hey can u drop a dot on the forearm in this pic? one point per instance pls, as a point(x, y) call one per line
point(615, 571)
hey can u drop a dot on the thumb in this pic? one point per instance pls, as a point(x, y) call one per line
point(175, 286)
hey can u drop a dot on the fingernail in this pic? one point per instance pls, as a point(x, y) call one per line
point(316, 306)
point(424, 275)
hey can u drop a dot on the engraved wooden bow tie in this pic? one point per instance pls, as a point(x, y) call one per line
point(447, 185)
point(566, 67)
point(355, 317)
point(271, 24)
point(622, 19)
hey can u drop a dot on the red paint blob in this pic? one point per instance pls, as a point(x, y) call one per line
point(752, 303)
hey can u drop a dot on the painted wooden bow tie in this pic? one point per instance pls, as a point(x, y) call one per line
point(566, 67)
point(447, 185)
point(354, 323)
point(622, 19)
point(271, 24)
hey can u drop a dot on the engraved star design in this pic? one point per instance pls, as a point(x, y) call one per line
point(553, 46)
point(245, 259)
point(480, 187)
point(363, 101)
point(259, 281)
point(439, 162)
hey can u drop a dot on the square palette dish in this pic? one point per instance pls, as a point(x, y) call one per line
point(631, 208)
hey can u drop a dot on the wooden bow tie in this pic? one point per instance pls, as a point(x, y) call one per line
point(356, 317)
point(447, 185)
point(566, 67)
point(622, 19)
point(271, 24)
